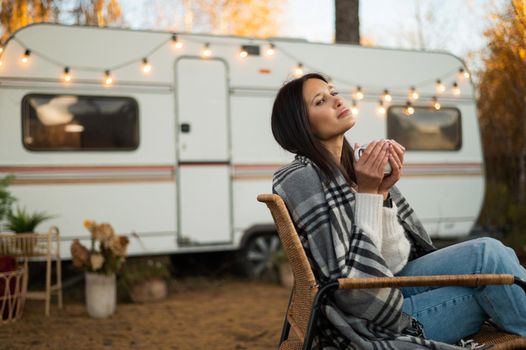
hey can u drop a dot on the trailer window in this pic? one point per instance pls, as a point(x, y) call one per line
point(79, 123)
point(427, 129)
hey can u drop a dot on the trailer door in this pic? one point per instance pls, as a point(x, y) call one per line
point(203, 171)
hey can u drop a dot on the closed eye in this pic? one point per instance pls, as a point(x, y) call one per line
point(322, 100)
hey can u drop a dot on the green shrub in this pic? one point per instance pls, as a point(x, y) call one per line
point(6, 199)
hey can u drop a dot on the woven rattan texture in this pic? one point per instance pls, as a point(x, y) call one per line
point(305, 286)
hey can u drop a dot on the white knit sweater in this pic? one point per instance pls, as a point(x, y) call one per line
point(385, 230)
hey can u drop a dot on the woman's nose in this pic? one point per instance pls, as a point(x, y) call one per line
point(338, 101)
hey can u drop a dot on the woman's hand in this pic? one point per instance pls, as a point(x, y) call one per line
point(396, 159)
point(369, 169)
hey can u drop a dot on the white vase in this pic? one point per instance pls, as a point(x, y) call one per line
point(101, 294)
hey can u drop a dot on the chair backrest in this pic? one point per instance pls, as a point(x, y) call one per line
point(305, 286)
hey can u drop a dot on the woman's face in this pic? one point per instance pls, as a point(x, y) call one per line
point(329, 114)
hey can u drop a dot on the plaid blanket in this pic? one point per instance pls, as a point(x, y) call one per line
point(322, 212)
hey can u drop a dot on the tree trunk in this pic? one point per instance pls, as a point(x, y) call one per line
point(347, 21)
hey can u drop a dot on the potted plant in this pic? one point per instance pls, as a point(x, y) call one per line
point(145, 279)
point(101, 263)
point(22, 221)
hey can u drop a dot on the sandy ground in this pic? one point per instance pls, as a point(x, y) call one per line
point(219, 312)
point(199, 314)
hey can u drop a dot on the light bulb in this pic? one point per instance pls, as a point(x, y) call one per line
point(206, 51)
point(1, 49)
point(67, 75)
point(358, 94)
point(146, 66)
point(176, 43)
point(387, 96)
point(381, 107)
point(108, 80)
point(25, 56)
point(435, 103)
point(270, 50)
point(409, 109)
point(298, 70)
point(243, 53)
point(354, 109)
point(463, 74)
point(456, 89)
point(439, 87)
point(413, 94)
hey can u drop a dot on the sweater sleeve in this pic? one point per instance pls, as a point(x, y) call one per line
point(368, 216)
point(395, 245)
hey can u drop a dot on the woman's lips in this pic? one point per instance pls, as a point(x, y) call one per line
point(343, 113)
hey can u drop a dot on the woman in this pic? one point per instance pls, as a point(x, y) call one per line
point(353, 222)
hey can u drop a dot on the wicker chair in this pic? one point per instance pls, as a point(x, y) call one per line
point(306, 294)
point(25, 246)
point(12, 294)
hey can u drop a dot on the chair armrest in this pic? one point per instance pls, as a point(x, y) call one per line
point(420, 281)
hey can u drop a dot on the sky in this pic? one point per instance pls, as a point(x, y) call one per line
point(456, 26)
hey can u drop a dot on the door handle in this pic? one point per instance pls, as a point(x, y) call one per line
point(185, 127)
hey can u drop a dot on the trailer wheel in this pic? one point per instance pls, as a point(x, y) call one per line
point(256, 257)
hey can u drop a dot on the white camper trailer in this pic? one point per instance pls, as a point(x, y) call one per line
point(168, 136)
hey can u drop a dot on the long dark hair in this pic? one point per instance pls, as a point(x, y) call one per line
point(291, 129)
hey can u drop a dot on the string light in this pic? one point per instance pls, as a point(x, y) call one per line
point(439, 87)
point(381, 107)
point(387, 96)
point(413, 94)
point(409, 109)
point(176, 43)
point(456, 89)
point(146, 66)
point(354, 108)
point(25, 56)
point(243, 53)
point(67, 75)
point(463, 74)
point(270, 50)
point(435, 103)
point(108, 80)
point(298, 70)
point(358, 93)
point(207, 52)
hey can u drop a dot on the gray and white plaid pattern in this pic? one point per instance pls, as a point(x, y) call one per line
point(322, 212)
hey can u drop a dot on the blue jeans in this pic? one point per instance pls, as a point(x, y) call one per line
point(451, 313)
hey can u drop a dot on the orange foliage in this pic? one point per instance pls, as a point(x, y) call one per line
point(502, 99)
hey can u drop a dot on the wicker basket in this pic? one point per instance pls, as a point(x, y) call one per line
point(12, 294)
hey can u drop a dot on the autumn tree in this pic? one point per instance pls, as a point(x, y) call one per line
point(15, 14)
point(97, 12)
point(502, 113)
point(252, 18)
